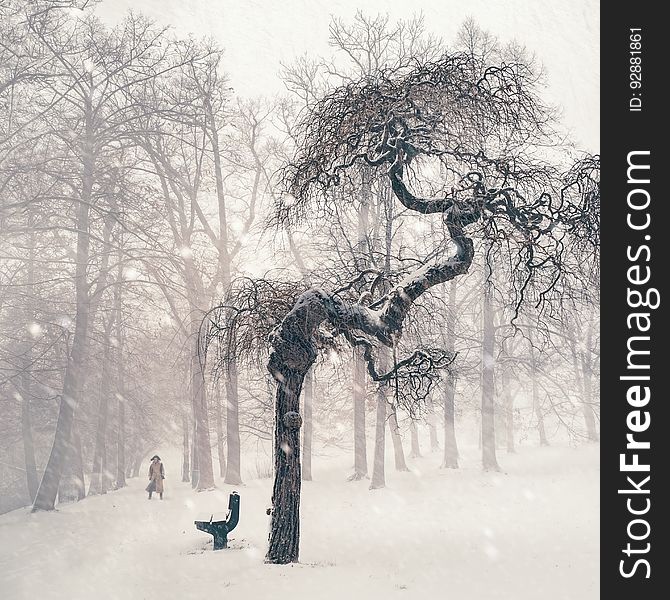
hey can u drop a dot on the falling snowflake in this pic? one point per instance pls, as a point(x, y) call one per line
point(35, 330)
point(186, 252)
point(491, 551)
point(528, 495)
point(131, 274)
point(65, 323)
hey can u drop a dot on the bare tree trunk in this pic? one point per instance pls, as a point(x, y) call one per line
point(121, 446)
point(233, 444)
point(137, 464)
point(358, 373)
point(489, 460)
point(32, 480)
point(398, 452)
point(508, 400)
point(415, 449)
point(203, 448)
point(220, 446)
point(28, 445)
point(195, 471)
point(378, 475)
point(378, 467)
point(71, 487)
point(359, 393)
point(432, 428)
point(121, 387)
point(285, 528)
point(109, 459)
point(185, 463)
point(587, 408)
point(537, 405)
point(450, 460)
point(307, 434)
point(233, 470)
point(48, 489)
point(98, 483)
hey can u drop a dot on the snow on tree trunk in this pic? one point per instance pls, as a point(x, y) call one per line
point(293, 351)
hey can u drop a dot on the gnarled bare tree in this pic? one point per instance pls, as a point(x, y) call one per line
point(485, 125)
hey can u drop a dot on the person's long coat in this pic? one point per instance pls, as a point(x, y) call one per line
point(157, 474)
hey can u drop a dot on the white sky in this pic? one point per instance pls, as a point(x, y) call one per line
point(258, 35)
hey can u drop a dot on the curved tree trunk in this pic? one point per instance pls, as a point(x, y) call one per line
point(294, 351)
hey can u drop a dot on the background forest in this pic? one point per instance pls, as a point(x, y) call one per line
point(137, 188)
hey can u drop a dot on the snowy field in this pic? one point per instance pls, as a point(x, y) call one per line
point(530, 532)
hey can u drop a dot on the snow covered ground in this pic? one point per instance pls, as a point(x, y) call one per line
point(530, 532)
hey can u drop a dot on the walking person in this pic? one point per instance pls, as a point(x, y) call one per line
point(156, 476)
